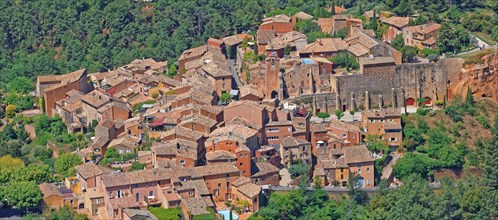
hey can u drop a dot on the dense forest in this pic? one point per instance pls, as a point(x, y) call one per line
point(57, 36)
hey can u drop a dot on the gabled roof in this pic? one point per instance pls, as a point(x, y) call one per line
point(48, 190)
point(293, 141)
point(88, 170)
point(398, 22)
point(323, 45)
point(264, 36)
point(303, 16)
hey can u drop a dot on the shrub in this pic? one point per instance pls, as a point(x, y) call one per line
point(427, 52)
point(440, 103)
point(10, 110)
point(483, 121)
point(421, 111)
point(322, 114)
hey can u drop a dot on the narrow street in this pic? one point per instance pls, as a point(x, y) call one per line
point(233, 71)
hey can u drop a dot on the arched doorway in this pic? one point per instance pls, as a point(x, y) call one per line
point(428, 101)
point(410, 102)
point(274, 94)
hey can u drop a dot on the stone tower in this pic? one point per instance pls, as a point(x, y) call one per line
point(272, 77)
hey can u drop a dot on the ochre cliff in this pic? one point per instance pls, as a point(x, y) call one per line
point(482, 78)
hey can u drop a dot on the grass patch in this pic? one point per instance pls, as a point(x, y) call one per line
point(209, 216)
point(485, 37)
point(477, 54)
point(167, 214)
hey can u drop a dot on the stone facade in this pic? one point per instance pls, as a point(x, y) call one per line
point(409, 81)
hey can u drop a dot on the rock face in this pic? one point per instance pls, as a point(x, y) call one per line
point(482, 78)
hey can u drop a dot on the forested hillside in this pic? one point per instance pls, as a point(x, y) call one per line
point(57, 36)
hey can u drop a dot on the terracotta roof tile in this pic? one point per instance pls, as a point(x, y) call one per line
point(398, 22)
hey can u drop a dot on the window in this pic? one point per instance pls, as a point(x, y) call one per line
point(182, 162)
point(368, 169)
point(97, 201)
point(135, 186)
point(393, 139)
point(344, 135)
point(382, 120)
point(372, 120)
point(273, 130)
point(128, 151)
point(137, 197)
point(368, 182)
point(216, 193)
point(272, 138)
point(191, 193)
point(121, 151)
point(151, 193)
point(304, 148)
point(71, 201)
point(146, 184)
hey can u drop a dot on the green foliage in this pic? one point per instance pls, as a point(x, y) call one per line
point(21, 194)
point(301, 204)
point(322, 115)
point(375, 144)
point(478, 22)
point(111, 155)
point(494, 33)
point(452, 38)
point(344, 60)
point(483, 121)
point(488, 154)
point(409, 53)
point(341, 33)
point(299, 169)
point(136, 166)
point(209, 216)
point(20, 85)
point(171, 70)
point(225, 98)
point(339, 114)
point(458, 108)
point(136, 108)
point(20, 101)
point(312, 36)
point(65, 212)
point(398, 42)
point(413, 163)
point(166, 214)
point(427, 52)
point(65, 164)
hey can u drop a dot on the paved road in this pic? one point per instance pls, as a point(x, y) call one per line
point(233, 71)
point(285, 179)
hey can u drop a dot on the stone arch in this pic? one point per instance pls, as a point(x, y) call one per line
point(428, 101)
point(274, 94)
point(410, 102)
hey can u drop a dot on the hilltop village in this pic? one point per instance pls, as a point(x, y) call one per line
point(241, 115)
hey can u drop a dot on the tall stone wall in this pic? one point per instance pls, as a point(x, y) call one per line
point(391, 89)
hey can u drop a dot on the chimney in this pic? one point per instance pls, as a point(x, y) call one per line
point(371, 56)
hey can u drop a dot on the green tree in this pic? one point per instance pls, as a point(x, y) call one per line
point(136, 166)
point(65, 164)
point(409, 53)
point(10, 111)
point(398, 42)
point(452, 38)
point(225, 98)
point(339, 114)
point(413, 163)
point(322, 115)
point(21, 194)
point(488, 154)
point(20, 84)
